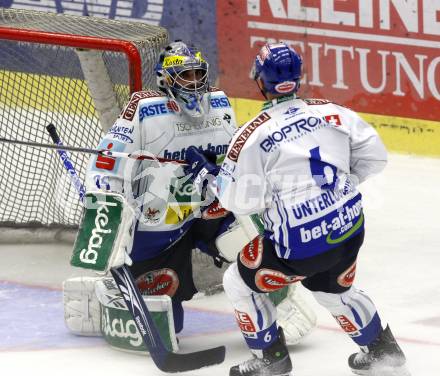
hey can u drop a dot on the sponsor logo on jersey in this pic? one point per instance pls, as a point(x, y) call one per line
point(151, 215)
point(244, 135)
point(121, 133)
point(210, 123)
point(293, 131)
point(245, 322)
point(252, 254)
point(285, 87)
point(268, 280)
point(183, 200)
point(291, 112)
point(105, 162)
point(346, 278)
point(227, 118)
point(220, 102)
point(325, 200)
point(333, 120)
point(153, 109)
point(130, 109)
point(347, 325)
point(173, 105)
point(316, 102)
point(178, 213)
point(158, 282)
point(339, 225)
point(181, 154)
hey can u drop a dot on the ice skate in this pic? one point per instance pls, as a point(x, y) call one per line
point(383, 357)
point(274, 362)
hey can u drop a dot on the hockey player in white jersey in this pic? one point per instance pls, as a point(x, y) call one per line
point(169, 217)
point(298, 164)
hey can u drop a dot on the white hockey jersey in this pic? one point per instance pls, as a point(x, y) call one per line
point(298, 164)
point(163, 195)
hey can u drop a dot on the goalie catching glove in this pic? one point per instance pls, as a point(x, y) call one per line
point(105, 236)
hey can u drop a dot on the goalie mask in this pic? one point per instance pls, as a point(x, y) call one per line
point(182, 74)
point(277, 69)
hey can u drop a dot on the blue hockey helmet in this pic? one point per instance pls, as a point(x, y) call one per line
point(182, 73)
point(278, 66)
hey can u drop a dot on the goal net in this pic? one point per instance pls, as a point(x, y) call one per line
point(75, 72)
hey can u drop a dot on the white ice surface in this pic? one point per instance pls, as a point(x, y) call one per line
point(398, 266)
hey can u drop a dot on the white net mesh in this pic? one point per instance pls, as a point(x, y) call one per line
point(42, 82)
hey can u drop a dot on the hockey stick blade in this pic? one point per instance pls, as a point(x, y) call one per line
point(164, 359)
point(175, 362)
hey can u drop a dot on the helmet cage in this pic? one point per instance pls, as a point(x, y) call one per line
point(182, 74)
point(187, 80)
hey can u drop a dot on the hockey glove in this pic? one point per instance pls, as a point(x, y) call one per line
point(201, 168)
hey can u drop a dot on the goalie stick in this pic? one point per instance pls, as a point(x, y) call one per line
point(164, 359)
point(108, 153)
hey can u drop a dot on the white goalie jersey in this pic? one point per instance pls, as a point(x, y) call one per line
point(160, 192)
point(298, 164)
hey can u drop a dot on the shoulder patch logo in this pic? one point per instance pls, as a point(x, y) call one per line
point(130, 109)
point(334, 120)
point(245, 133)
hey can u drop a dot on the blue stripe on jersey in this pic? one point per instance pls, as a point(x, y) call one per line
point(279, 230)
point(287, 226)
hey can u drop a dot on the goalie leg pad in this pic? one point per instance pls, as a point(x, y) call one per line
point(82, 312)
point(295, 315)
point(93, 306)
point(117, 325)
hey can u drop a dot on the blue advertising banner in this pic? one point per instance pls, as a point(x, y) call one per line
point(191, 21)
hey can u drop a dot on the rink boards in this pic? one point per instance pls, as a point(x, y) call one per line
point(400, 134)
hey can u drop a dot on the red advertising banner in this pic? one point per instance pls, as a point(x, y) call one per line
point(379, 57)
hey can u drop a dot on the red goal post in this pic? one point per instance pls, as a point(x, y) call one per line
point(85, 42)
point(76, 72)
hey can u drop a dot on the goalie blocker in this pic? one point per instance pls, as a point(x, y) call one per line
point(105, 236)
